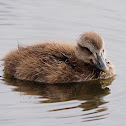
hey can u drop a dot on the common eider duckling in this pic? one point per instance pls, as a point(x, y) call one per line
point(60, 63)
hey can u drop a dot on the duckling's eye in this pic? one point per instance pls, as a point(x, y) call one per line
point(87, 50)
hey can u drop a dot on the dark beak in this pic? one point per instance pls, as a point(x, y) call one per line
point(101, 64)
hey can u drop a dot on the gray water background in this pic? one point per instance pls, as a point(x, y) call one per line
point(30, 21)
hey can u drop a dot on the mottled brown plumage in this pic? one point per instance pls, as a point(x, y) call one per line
point(57, 62)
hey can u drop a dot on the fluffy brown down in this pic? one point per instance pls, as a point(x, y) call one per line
point(50, 63)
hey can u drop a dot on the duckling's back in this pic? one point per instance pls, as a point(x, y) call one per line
point(45, 62)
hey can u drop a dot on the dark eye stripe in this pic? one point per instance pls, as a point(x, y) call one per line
point(88, 50)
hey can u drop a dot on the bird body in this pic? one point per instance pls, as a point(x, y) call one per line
point(55, 63)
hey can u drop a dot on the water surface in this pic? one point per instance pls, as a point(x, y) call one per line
point(27, 22)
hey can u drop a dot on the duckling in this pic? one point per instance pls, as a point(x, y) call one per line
point(60, 63)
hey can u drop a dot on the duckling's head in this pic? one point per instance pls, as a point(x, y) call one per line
point(90, 49)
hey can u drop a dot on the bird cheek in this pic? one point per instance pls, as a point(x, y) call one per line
point(93, 61)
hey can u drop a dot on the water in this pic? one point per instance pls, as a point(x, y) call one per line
point(27, 22)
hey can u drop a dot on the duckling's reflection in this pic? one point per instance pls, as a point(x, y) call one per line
point(93, 90)
point(92, 93)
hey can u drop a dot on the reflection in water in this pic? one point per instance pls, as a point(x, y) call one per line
point(90, 94)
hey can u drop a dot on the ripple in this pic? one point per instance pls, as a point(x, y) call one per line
point(72, 100)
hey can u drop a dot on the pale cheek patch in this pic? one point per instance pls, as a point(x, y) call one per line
point(94, 60)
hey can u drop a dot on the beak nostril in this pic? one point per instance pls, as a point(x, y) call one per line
point(99, 64)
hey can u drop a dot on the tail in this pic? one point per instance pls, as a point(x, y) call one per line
point(10, 62)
